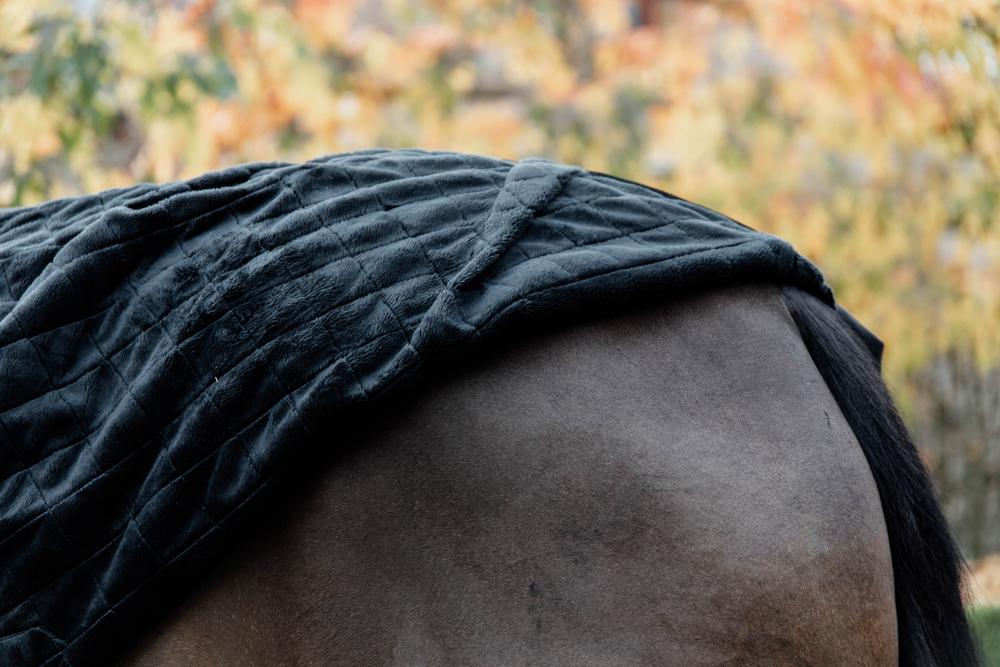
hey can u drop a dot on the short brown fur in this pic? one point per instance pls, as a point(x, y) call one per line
point(671, 486)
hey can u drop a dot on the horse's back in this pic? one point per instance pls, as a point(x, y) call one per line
point(675, 485)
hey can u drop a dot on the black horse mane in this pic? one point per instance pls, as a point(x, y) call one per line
point(926, 563)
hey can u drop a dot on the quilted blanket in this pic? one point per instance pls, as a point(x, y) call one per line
point(163, 348)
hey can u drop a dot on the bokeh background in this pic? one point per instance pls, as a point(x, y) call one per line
point(866, 132)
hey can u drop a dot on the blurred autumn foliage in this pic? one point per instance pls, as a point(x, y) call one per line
point(866, 132)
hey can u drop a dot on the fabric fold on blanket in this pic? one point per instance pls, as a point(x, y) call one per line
point(164, 349)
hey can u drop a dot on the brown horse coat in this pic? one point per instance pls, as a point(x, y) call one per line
point(675, 485)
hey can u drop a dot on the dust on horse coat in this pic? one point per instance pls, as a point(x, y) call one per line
point(170, 353)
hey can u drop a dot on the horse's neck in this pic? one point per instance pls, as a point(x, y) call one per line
point(672, 486)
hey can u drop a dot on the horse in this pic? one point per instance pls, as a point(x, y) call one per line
point(716, 475)
point(701, 482)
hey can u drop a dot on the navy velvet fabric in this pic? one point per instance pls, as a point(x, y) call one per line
point(164, 347)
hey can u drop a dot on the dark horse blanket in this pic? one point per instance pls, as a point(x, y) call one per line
point(164, 347)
